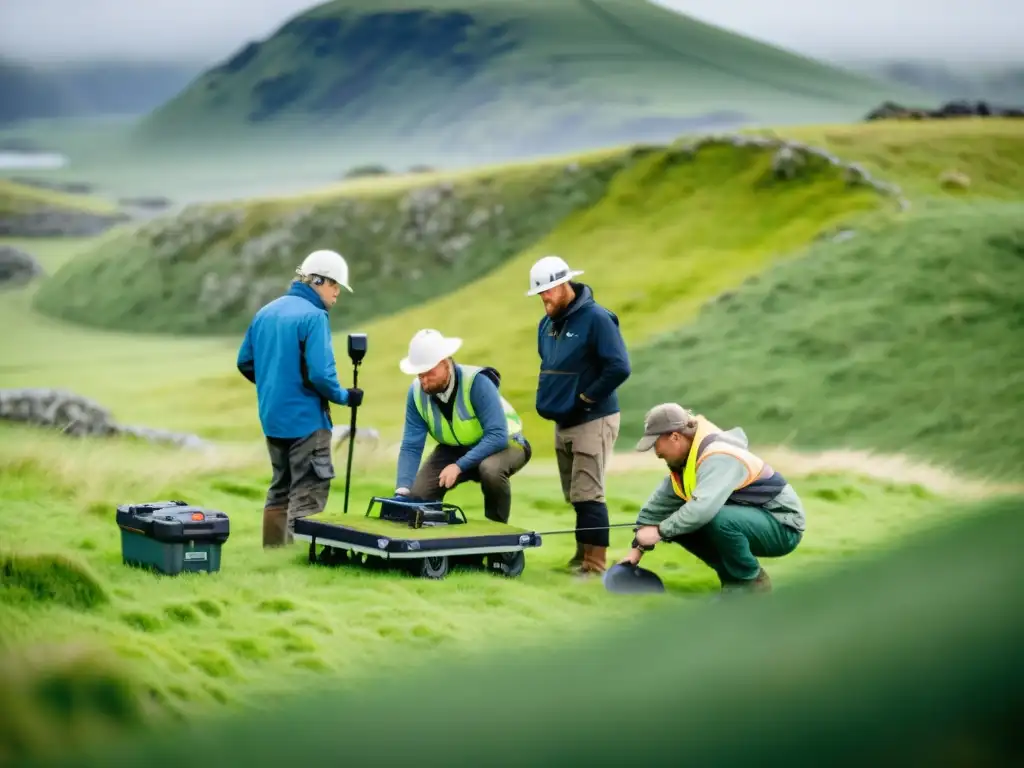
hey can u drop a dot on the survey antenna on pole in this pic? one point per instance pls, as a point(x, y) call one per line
point(356, 353)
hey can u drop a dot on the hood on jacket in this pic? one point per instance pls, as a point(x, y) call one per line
point(584, 298)
point(736, 436)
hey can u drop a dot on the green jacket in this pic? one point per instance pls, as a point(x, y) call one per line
point(717, 477)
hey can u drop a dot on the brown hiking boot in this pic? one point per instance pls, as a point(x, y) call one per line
point(275, 527)
point(594, 559)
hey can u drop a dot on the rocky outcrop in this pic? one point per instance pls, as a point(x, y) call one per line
point(790, 159)
point(890, 110)
point(17, 267)
point(47, 221)
point(78, 416)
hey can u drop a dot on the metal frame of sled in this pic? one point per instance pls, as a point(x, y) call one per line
point(427, 557)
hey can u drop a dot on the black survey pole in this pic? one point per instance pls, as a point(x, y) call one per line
point(356, 352)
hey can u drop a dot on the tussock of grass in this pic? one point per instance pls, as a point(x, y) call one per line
point(27, 579)
point(55, 694)
point(904, 340)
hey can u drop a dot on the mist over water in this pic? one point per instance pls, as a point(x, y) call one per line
point(36, 160)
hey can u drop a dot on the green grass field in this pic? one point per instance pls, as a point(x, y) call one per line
point(91, 650)
point(269, 623)
point(902, 657)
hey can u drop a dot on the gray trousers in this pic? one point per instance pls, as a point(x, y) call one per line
point(492, 473)
point(302, 472)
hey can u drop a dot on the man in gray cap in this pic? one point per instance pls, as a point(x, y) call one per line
point(719, 501)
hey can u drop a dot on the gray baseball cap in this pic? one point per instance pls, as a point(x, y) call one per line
point(660, 420)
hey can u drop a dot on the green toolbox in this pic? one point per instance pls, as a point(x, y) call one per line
point(172, 536)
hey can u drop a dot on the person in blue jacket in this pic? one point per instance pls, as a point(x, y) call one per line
point(583, 361)
point(287, 354)
point(478, 433)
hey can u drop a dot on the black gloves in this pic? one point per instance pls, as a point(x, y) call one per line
point(355, 397)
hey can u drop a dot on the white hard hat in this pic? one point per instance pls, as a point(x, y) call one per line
point(549, 272)
point(428, 348)
point(328, 264)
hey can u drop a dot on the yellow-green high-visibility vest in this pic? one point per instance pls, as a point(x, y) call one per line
point(761, 485)
point(465, 427)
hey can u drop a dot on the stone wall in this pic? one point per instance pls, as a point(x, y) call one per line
point(78, 416)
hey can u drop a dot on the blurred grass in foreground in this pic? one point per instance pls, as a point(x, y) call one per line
point(907, 657)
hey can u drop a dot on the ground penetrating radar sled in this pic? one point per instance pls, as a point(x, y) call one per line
point(424, 537)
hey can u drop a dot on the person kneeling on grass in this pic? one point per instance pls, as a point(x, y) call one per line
point(719, 501)
point(479, 435)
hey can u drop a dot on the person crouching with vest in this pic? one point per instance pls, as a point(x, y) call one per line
point(479, 434)
point(719, 501)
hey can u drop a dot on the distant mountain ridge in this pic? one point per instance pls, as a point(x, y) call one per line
point(32, 91)
point(556, 72)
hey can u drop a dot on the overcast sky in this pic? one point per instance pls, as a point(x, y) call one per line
point(209, 30)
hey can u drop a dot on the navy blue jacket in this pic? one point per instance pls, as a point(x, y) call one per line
point(581, 353)
point(287, 353)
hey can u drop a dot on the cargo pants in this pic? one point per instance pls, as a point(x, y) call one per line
point(302, 472)
point(582, 452)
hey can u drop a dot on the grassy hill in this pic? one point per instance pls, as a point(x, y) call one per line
point(468, 72)
point(902, 339)
point(18, 199)
point(666, 213)
point(414, 242)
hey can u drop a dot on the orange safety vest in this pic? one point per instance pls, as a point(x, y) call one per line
point(761, 485)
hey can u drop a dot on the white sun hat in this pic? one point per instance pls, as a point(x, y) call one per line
point(549, 272)
point(426, 349)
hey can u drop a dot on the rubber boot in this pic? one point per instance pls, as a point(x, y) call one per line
point(594, 560)
point(275, 527)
